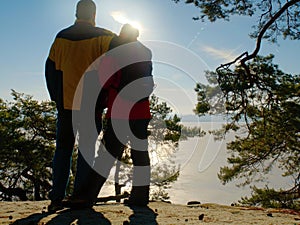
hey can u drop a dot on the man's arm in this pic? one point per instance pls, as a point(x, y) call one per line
point(51, 79)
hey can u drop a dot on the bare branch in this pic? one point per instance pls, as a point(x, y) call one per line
point(245, 56)
point(232, 62)
point(265, 28)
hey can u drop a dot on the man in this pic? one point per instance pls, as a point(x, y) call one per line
point(128, 116)
point(72, 52)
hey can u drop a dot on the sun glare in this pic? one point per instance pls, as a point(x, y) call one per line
point(121, 18)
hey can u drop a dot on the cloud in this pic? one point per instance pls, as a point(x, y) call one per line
point(226, 54)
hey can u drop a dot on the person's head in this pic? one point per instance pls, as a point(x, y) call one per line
point(129, 33)
point(86, 10)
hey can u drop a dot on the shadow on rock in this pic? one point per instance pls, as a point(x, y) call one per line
point(66, 217)
point(142, 215)
point(33, 219)
point(86, 217)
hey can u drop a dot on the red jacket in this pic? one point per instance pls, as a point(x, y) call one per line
point(117, 107)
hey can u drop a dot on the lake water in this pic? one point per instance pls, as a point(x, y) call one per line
point(200, 160)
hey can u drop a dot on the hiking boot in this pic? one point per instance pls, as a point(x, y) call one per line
point(55, 206)
point(130, 202)
point(139, 196)
point(77, 203)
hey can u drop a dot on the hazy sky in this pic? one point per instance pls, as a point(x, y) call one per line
point(182, 48)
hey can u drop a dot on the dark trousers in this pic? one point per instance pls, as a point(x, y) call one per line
point(66, 130)
point(117, 134)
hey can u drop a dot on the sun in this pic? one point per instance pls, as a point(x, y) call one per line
point(123, 19)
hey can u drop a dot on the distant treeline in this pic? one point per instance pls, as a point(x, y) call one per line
point(191, 132)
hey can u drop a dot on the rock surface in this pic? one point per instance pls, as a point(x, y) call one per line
point(30, 213)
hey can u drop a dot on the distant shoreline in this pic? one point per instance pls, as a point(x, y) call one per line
point(206, 118)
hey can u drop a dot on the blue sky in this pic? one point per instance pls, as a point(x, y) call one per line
point(29, 27)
